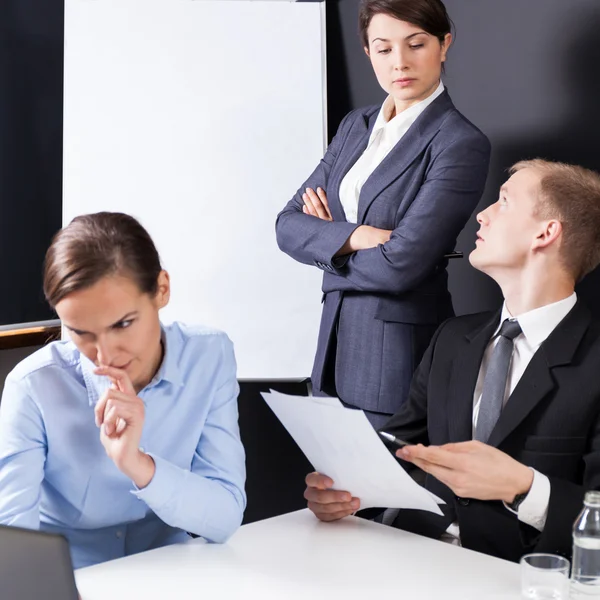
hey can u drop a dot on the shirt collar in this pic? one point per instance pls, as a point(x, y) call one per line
point(539, 323)
point(407, 116)
point(168, 371)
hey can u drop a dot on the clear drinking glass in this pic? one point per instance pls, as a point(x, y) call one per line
point(544, 577)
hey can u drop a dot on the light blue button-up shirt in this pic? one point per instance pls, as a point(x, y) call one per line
point(56, 476)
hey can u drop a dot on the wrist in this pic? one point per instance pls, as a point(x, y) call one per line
point(356, 239)
point(521, 485)
point(140, 469)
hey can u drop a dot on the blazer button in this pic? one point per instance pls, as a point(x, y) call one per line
point(462, 501)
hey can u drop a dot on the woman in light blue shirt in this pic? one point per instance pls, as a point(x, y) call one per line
point(126, 437)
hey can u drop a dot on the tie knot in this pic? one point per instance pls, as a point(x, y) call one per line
point(510, 329)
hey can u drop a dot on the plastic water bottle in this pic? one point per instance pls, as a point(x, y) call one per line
point(585, 571)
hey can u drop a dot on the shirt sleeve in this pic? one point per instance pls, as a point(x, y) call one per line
point(533, 510)
point(208, 499)
point(22, 457)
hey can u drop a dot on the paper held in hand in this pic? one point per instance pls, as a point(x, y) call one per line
point(342, 444)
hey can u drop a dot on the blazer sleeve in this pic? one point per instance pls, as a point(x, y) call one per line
point(451, 191)
point(566, 501)
point(308, 239)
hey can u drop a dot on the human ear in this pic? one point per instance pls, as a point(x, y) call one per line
point(445, 45)
point(550, 232)
point(163, 290)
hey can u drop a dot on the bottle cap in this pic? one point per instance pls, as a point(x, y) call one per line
point(592, 499)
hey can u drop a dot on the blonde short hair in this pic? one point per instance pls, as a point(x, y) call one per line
point(570, 194)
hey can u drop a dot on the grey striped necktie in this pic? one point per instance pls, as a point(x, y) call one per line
point(494, 382)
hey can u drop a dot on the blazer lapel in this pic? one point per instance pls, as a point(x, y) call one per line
point(358, 139)
point(464, 378)
point(355, 145)
point(537, 380)
point(412, 144)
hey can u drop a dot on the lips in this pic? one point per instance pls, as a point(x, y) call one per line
point(404, 81)
point(122, 367)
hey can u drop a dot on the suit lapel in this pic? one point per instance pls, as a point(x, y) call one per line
point(354, 146)
point(410, 147)
point(537, 380)
point(358, 139)
point(464, 378)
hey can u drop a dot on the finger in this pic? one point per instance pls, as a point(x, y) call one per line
point(109, 424)
point(304, 209)
point(431, 454)
point(119, 377)
point(326, 496)
point(316, 202)
point(112, 416)
point(100, 408)
point(462, 447)
point(323, 197)
point(309, 206)
point(107, 397)
point(334, 507)
point(330, 516)
point(115, 411)
point(319, 481)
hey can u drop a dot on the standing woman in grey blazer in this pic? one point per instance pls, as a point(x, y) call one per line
point(383, 208)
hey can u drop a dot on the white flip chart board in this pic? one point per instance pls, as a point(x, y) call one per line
point(202, 118)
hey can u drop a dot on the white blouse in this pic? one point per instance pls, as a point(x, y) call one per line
point(385, 135)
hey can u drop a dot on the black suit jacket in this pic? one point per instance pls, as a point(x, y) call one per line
point(550, 422)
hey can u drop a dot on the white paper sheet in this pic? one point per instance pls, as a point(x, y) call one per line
point(342, 444)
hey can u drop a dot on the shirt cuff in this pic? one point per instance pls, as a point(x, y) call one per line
point(533, 510)
point(161, 487)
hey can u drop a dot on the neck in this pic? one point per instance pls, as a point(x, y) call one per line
point(156, 362)
point(530, 291)
point(402, 105)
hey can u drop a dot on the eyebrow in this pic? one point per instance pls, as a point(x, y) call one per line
point(124, 318)
point(412, 35)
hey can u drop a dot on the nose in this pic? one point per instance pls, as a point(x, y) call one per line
point(400, 60)
point(104, 352)
point(483, 217)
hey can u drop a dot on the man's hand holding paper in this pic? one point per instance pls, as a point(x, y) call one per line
point(347, 454)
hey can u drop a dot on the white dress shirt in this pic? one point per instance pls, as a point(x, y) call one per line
point(536, 326)
point(385, 135)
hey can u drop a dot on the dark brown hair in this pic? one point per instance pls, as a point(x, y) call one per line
point(100, 245)
point(571, 195)
point(429, 15)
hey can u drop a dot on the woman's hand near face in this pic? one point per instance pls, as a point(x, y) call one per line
point(315, 204)
point(120, 415)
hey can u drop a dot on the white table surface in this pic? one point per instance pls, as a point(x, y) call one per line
point(294, 556)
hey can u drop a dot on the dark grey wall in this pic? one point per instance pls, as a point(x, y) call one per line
point(525, 72)
point(31, 49)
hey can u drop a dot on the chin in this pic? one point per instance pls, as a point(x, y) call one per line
point(477, 260)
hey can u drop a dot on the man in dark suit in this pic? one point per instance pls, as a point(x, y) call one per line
point(503, 415)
